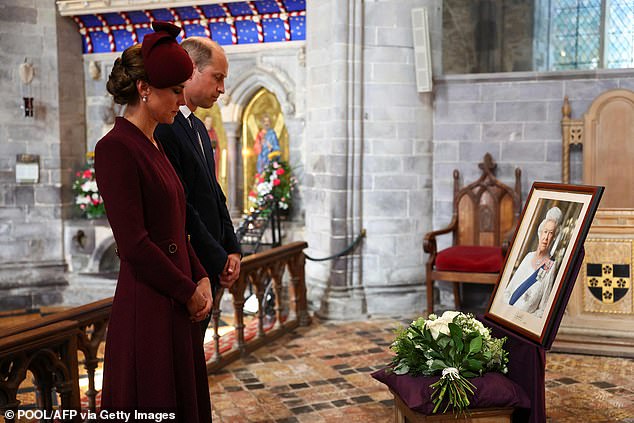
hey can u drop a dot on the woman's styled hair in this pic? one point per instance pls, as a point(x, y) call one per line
point(554, 214)
point(127, 70)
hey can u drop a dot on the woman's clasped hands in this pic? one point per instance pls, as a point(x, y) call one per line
point(199, 305)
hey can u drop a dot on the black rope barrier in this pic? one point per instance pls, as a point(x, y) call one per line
point(349, 248)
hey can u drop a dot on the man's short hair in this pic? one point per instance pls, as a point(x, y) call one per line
point(200, 50)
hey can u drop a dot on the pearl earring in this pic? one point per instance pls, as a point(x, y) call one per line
point(144, 98)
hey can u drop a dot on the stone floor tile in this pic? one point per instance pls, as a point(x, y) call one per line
point(303, 382)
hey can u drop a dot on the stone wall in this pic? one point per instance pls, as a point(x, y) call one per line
point(515, 117)
point(371, 164)
point(31, 256)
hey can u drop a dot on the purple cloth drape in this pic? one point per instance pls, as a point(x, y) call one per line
point(527, 359)
point(492, 390)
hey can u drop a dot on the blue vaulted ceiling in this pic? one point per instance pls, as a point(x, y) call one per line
point(241, 22)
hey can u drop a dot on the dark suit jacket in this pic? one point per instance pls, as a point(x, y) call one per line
point(208, 220)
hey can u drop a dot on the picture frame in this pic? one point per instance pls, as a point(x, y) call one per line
point(543, 260)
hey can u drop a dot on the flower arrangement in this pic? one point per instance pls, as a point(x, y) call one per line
point(455, 346)
point(273, 186)
point(87, 199)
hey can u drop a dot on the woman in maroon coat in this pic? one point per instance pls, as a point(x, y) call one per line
point(154, 361)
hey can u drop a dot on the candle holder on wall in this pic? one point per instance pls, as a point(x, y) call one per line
point(26, 73)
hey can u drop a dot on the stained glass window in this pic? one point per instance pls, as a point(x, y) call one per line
point(575, 34)
point(576, 28)
point(619, 46)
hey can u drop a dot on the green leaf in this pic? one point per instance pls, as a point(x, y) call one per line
point(458, 345)
point(438, 365)
point(427, 334)
point(401, 369)
point(475, 365)
point(455, 330)
point(456, 336)
point(475, 346)
point(435, 354)
point(442, 341)
point(417, 331)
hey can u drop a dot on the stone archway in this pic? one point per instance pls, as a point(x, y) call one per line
point(273, 79)
point(237, 98)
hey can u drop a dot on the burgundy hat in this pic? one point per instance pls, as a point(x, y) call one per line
point(166, 63)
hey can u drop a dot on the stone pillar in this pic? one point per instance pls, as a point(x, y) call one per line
point(234, 169)
point(368, 156)
point(332, 179)
point(72, 110)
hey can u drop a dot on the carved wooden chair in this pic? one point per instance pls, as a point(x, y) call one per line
point(485, 214)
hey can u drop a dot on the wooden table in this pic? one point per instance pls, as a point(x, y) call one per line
point(403, 414)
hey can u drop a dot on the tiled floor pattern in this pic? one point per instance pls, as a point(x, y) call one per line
point(322, 374)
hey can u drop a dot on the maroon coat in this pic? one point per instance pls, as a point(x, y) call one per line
point(154, 358)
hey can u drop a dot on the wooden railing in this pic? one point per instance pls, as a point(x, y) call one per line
point(48, 346)
point(256, 270)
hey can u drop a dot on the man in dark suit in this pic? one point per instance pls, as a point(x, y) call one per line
point(188, 147)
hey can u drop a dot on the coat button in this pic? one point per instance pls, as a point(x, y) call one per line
point(116, 251)
point(172, 248)
point(189, 238)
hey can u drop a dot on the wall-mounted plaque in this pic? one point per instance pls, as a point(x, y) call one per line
point(27, 169)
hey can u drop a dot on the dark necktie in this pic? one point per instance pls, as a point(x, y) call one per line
point(190, 119)
point(210, 166)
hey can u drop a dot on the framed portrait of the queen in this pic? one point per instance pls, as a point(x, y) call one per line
point(542, 261)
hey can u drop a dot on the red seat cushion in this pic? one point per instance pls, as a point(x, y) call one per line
point(468, 258)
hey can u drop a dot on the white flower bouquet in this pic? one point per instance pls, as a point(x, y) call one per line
point(455, 346)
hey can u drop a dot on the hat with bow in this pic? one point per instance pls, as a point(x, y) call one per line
point(166, 63)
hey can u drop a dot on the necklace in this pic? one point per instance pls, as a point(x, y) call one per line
point(539, 261)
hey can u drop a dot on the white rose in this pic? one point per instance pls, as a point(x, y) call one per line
point(89, 186)
point(437, 327)
point(264, 188)
point(81, 199)
point(448, 316)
